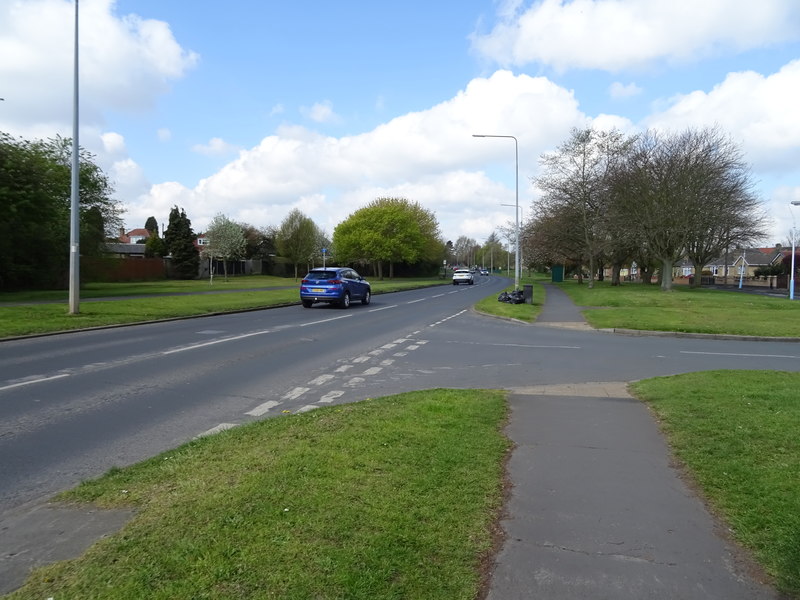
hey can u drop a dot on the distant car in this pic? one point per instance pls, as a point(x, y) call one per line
point(463, 276)
point(484, 271)
point(334, 285)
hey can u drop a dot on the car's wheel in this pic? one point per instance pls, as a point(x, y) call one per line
point(307, 303)
point(367, 297)
point(471, 281)
point(455, 283)
point(345, 301)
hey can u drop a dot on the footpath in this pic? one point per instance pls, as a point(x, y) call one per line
point(598, 509)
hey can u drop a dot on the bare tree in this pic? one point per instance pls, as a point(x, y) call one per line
point(577, 175)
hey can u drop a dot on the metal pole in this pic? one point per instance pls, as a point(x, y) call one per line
point(794, 236)
point(74, 229)
point(516, 187)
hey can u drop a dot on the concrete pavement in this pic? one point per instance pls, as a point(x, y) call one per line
point(598, 508)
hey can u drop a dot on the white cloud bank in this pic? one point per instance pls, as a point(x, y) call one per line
point(613, 35)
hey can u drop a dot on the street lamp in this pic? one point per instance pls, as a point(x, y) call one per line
point(521, 212)
point(794, 234)
point(516, 162)
point(74, 229)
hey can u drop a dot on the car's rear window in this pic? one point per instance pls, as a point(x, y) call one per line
point(320, 275)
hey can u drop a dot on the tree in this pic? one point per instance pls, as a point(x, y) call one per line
point(296, 238)
point(577, 175)
point(389, 230)
point(35, 185)
point(686, 193)
point(179, 240)
point(225, 242)
point(152, 226)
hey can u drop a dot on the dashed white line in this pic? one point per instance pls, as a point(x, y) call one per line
point(387, 362)
point(343, 368)
point(213, 342)
point(354, 381)
point(217, 429)
point(383, 308)
point(415, 301)
point(262, 409)
point(40, 380)
point(331, 396)
point(742, 355)
point(321, 379)
point(295, 393)
point(325, 320)
point(373, 371)
point(361, 359)
point(306, 408)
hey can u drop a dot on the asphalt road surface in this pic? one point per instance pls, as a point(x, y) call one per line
point(72, 406)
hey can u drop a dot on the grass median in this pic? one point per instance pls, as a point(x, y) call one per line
point(521, 312)
point(737, 432)
point(388, 498)
point(26, 313)
point(686, 310)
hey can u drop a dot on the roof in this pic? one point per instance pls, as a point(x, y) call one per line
point(122, 248)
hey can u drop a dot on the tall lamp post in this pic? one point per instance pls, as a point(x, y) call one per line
point(74, 230)
point(794, 234)
point(516, 163)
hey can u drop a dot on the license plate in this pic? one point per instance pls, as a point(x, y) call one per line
point(317, 290)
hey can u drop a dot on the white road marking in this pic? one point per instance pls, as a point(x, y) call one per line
point(324, 320)
point(361, 359)
point(321, 379)
point(388, 346)
point(343, 368)
point(295, 393)
point(383, 308)
point(415, 301)
point(40, 380)
point(306, 408)
point(401, 340)
point(262, 408)
point(387, 362)
point(217, 429)
point(439, 295)
point(331, 396)
point(373, 371)
point(400, 354)
point(412, 347)
point(213, 342)
point(354, 381)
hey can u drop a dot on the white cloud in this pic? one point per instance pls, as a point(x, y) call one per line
point(113, 143)
point(619, 90)
point(757, 110)
point(421, 155)
point(276, 110)
point(321, 112)
point(622, 34)
point(215, 147)
point(164, 134)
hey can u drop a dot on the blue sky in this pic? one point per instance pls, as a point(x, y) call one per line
point(251, 108)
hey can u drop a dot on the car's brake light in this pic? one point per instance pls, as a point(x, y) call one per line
point(335, 281)
point(304, 282)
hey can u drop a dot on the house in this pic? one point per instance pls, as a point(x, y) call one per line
point(134, 236)
point(751, 259)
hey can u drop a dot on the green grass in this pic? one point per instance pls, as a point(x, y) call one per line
point(643, 307)
point(521, 312)
point(387, 498)
point(739, 434)
point(30, 319)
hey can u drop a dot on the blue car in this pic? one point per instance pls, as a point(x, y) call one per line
point(334, 285)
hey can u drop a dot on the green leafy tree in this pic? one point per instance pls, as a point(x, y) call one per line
point(35, 187)
point(151, 225)
point(389, 230)
point(226, 242)
point(297, 238)
point(154, 247)
point(179, 241)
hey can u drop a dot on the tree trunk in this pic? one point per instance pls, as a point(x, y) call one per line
point(666, 276)
point(391, 269)
point(591, 271)
point(615, 270)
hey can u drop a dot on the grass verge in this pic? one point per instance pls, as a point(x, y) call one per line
point(387, 498)
point(737, 431)
point(521, 312)
point(646, 307)
point(197, 299)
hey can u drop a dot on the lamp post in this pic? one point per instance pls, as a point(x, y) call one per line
point(516, 163)
point(794, 234)
point(74, 230)
point(521, 212)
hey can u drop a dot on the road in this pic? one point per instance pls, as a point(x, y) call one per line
point(73, 406)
